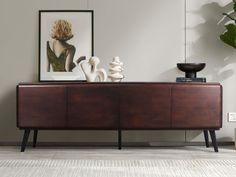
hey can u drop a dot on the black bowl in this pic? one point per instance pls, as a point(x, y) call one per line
point(191, 69)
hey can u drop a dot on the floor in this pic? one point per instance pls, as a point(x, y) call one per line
point(181, 161)
point(112, 153)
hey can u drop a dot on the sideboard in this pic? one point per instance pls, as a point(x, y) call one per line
point(119, 106)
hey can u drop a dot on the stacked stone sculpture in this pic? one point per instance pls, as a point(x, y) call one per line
point(116, 68)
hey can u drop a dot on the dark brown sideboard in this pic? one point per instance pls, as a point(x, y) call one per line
point(119, 106)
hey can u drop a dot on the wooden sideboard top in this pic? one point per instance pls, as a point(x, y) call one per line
point(116, 83)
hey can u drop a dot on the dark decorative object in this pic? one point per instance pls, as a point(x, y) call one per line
point(191, 69)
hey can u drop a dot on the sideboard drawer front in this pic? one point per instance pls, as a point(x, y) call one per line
point(41, 107)
point(197, 106)
point(145, 106)
point(93, 106)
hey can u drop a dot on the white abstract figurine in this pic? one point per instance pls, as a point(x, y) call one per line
point(92, 73)
point(116, 70)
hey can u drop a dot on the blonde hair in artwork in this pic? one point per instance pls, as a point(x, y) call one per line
point(62, 30)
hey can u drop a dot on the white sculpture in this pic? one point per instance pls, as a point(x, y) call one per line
point(116, 70)
point(92, 73)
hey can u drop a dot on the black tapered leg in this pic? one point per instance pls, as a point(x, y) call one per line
point(119, 139)
point(213, 138)
point(25, 139)
point(35, 138)
point(206, 137)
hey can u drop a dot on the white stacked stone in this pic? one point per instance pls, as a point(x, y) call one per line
point(116, 68)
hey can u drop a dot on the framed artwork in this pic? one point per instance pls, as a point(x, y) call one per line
point(65, 41)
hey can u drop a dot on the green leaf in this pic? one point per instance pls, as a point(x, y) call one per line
point(231, 29)
point(234, 6)
point(229, 36)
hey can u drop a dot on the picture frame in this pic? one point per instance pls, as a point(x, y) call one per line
point(66, 40)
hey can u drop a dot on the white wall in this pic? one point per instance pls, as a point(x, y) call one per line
point(148, 35)
point(204, 25)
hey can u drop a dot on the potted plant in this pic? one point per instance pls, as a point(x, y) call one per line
point(229, 36)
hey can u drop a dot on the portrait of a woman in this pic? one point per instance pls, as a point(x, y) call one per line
point(60, 53)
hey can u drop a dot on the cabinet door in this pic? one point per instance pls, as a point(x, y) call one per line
point(145, 106)
point(196, 106)
point(93, 106)
point(41, 106)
